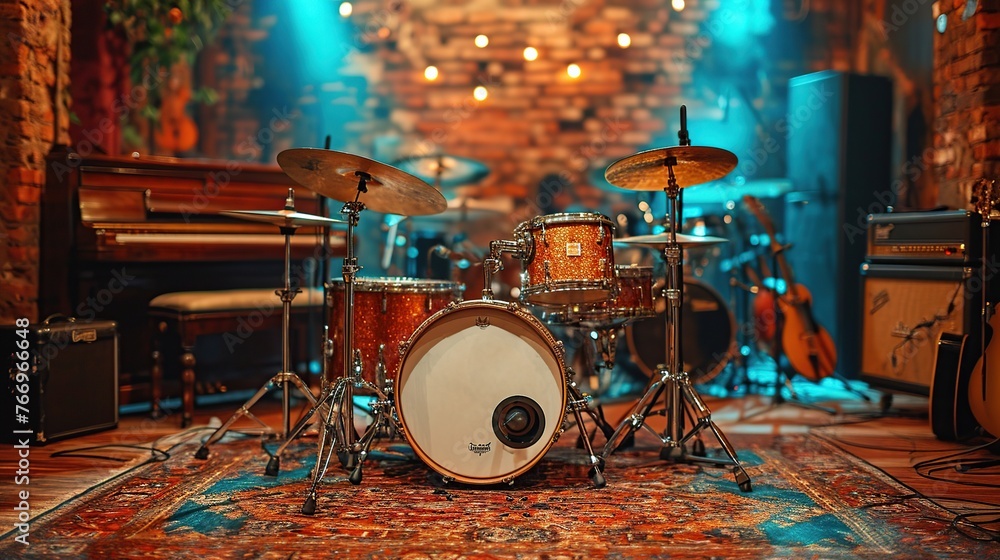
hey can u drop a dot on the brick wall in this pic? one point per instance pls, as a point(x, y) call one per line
point(967, 99)
point(33, 34)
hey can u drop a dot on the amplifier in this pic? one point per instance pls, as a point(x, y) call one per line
point(952, 237)
point(71, 383)
point(905, 310)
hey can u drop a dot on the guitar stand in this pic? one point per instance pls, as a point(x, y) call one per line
point(681, 400)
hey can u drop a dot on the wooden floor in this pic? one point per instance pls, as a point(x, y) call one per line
point(897, 442)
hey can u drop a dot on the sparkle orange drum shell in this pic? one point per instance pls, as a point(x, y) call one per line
point(569, 258)
point(481, 391)
point(386, 312)
point(634, 299)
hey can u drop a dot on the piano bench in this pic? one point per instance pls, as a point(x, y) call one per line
point(230, 313)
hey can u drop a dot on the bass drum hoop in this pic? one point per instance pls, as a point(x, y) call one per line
point(552, 426)
point(633, 348)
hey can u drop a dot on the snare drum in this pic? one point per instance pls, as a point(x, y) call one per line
point(568, 258)
point(386, 312)
point(634, 300)
point(481, 391)
point(708, 333)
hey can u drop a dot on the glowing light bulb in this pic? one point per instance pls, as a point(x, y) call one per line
point(479, 93)
point(346, 9)
point(624, 40)
point(482, 41)
point(573, 70)
point(431, 73)
point(530, 53)
point(677, 5)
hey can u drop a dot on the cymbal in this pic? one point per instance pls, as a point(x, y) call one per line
point(646, 171)
point(335, 175)
point(281, 218)
point(463, 209)
point(722, 193)
point(660, 240)
point(444, 171)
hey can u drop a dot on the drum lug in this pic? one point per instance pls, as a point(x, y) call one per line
point(600, 236)
point(482, 322)
point(403, 346)
point(509, 480)
point(543, 235)
point(385, 302)
point(548, 274)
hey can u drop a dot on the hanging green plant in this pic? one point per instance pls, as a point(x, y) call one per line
point(162, 34)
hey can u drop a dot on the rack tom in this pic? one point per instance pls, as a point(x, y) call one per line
point(568, 258)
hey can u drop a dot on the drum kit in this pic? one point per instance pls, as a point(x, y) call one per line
point(480, 389)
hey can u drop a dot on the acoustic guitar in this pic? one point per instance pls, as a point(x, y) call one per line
point(984, 384)
point(807, 345)
point(950, 416)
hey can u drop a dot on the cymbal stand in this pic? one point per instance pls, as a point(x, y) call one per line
point(576, 402)
point(673, 383)
point(286, 376)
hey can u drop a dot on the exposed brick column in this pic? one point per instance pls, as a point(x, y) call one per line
point(967, 99)
point(33, 34)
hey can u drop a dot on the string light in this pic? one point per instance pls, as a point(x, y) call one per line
point(346, 9)
point(530, 53)
point(431, 73)
point(482, 41)
point(677, 5)
point(624, 40)
point(573, 70)
point(479, 93)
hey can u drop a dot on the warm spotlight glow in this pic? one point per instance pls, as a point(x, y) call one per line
point(677, 4)
point(482, 41)
point(479, 93)
point(573, 70)
point(624, 40)
point(431, 73)
point(530, 53)
point(346, 9)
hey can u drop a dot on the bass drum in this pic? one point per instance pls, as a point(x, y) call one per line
point(708, 333)
point(481, 391)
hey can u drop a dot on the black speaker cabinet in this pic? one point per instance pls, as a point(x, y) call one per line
point(839, 159)
point(62, 380)
point(906, 308)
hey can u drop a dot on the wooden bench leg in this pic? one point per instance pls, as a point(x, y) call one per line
point(187, 385)
point(157, 372)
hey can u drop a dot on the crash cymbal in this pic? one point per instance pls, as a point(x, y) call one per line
point(660, 240)
point(336, 175)
point(281, 218)
point(444, 171)
point(646, 171)
point(723, 193)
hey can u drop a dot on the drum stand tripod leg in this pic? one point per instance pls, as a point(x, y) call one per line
point(332, 436)
point(577, 404)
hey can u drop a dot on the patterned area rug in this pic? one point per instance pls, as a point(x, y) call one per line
point(809, 500)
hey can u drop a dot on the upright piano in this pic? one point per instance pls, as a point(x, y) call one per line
point(118, 231)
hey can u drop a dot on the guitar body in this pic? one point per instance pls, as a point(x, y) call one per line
point(984, 384)
point(765, 318)
point(951, 417)
point(808, 346)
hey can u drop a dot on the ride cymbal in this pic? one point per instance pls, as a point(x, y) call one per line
point(444, 171)
point(337, 175)
point(647, 171)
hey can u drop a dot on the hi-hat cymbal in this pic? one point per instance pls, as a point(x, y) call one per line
point(647, 171)
point(336, 175)
point(660, 240)
point(722, 193)
point(444, 171)
point(281, 218)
